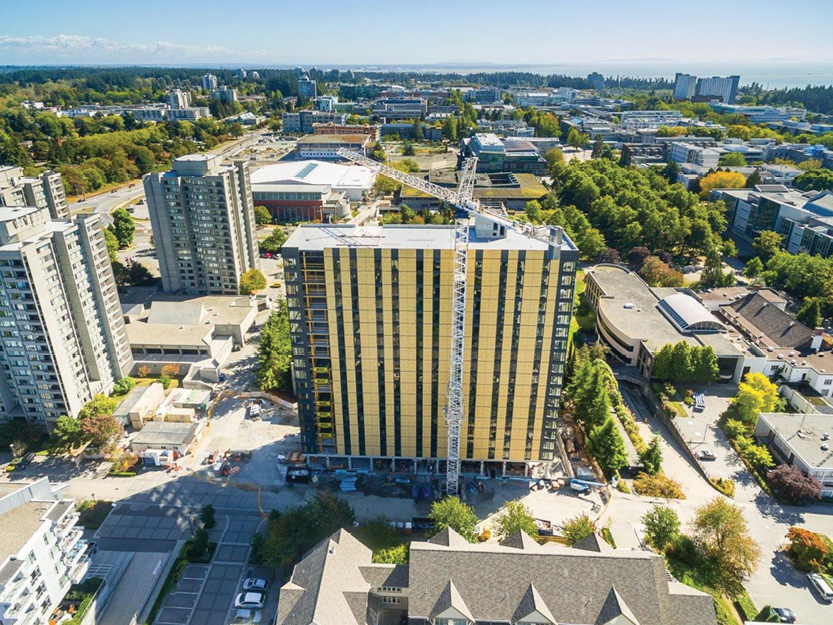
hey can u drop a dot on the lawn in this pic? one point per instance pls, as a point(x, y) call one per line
point(692, 577)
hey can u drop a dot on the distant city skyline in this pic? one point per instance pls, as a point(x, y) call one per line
point(368, 32)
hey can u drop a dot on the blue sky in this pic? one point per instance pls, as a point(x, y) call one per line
point(512, 32)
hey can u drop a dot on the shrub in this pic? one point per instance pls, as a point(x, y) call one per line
point(124, 386)
point(734, 428)
point(578, 528)
point(622, 487)
point(207, 516)
point(746, 608)
point(257, 554)
point(143, 371)
point(166, 381)
point(723, 485)
point(91, 514)
point(657, 486)
point(393, 555)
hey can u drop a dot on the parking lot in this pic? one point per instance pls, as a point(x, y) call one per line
point(205, 593)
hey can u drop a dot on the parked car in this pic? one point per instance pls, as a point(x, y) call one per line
point(249, 600)
point(247, 617)
point(820, 585)
point(705, 454)
point(25, 461)
point(785, 615)
point(253, 583)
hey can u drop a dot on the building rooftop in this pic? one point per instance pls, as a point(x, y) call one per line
point(509, 582)
point(157, 433)
point(314, 173)
point(19, 524)
point(309, 237)
point(761, 318)
point(508, 186)
point(361, 139)
point(804, 433)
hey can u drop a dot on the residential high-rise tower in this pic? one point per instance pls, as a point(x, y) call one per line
point(203, 224)
point(370, 313)
point(62, 337)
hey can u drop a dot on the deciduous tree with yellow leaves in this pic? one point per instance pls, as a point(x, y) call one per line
point(721, 180)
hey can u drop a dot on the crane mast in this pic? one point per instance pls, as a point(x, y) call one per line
point(462, 199)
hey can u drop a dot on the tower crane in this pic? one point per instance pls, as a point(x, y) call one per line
point(462, 199)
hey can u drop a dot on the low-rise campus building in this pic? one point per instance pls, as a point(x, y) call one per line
point(310, 190)
point(195, 334)
point(449, 581)
point(327, 146)
point(636, 321)
point(801, 440)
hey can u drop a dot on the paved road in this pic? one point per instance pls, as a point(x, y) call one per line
point(106, 203)
point(775, 582)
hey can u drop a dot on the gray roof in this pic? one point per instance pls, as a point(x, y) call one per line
point(327, 587)
point(320, 237)
point(165, 433)
point(776, 324)
point(575, 585)
point(594, 542)
point(803, 433)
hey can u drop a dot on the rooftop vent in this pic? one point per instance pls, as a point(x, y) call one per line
point(770, 349)
point(825, 447)
point(792, 354)
point(627, 306)
point(803, 363)
point(780, 356)
point(825, 436)
point(801, 434)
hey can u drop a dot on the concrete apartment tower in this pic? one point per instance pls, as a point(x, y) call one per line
point(62, 336)
point(203, 224)
point(370, 317)
point(44, 191)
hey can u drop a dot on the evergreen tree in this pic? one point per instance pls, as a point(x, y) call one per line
point(606, 446)
point(810, 313)
point(652, 457)
point(712, 275)
point(754, 179)
point(598, 147)
point(753, 268)
point(274, 353)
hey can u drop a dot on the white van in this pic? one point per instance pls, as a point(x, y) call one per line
point(821, 586)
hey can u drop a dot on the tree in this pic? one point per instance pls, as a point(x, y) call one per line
point(809, 551)
point(712, 275)
point(408, 150)
point(728, 248)
point(578, 528)
point(274, 352)
point(514, 517)
point(199, 544)
point(756, 394)
point(810, 313)
point(652, 457)
point(753, 268)
point(123, 227)
point(767, 244)
point(392, 555)
point(576, 139)
point(101, 430)
point(662, 526)
point(722, 537)
point(554, 157)
point(99, 405)
point(67, 432)
point(252, 281)
point(598, 147)
point(721, 180)
point(733, 159)
point(610, 255)
point(207, 516)
point(262, 216)
point(273, 243)
point(657, 273)
point(449, 128)
point(637, 256)
point(385, 185)
point(606, 446)
point(453, 513)
point(534, 212)
point(791, 483)
point(112, 245)
point(416, 131)
point(814, 180)
point(754, 179)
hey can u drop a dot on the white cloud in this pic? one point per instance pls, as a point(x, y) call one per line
point(81, 47)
